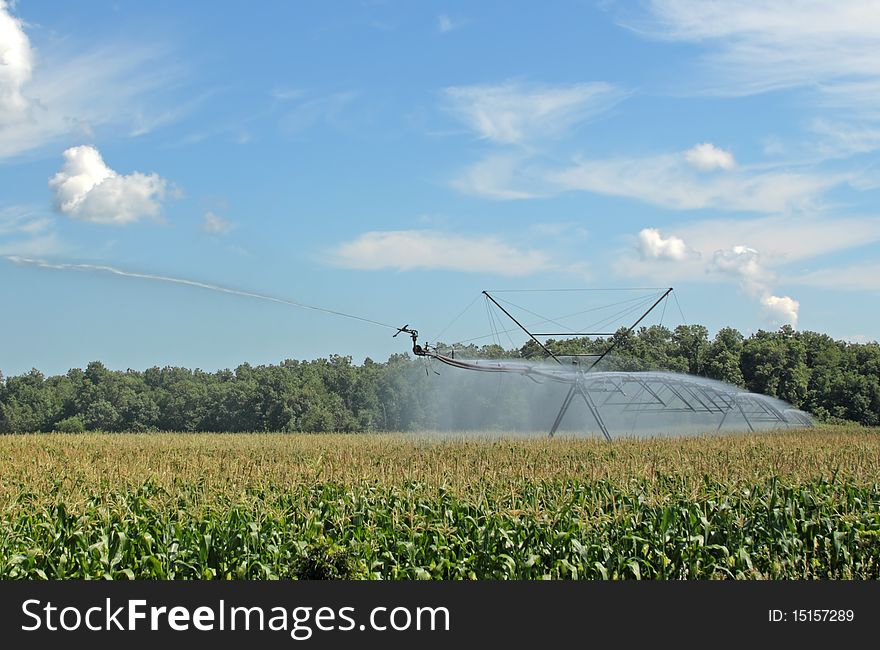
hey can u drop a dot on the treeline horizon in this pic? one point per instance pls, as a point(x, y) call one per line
point(834, 380)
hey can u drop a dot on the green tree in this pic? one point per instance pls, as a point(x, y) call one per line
point(73, 424)
point(721, 360)
point(775, 364)
point(691, 344)
point(102, 416)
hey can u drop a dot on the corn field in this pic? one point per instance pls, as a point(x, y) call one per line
point(786, 505)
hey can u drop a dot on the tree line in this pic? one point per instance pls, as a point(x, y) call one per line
point(834, 380)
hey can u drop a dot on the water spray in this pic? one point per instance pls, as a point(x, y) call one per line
point(611, 396)
point(61, 266)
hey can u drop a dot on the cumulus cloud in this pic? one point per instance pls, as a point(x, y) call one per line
point(16, 65)
point(406, 250)
point(781, 309)
point(782, 240)
point(515, 113)
point(86, 188)
point(740, 260)
point(744, 263)
point(652, 245)
point(707, 157)
point(214, 224)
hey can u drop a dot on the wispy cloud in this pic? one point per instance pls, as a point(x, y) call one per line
point(285, 93)
point(520, 113)
point(827, 49)
point(48, 244)
point(58, 94)
point(86, 188)
point(839, 138)
point(864, 276)
point(445, 23)
point(306, 111)
point(755, 46)
point(27, 230)
point(670, 181)
point(704, 176)
point(783, 239)
point(144, 121)
point(214, 224)
point(502, 176)
point(407, 250)
point(23, 219)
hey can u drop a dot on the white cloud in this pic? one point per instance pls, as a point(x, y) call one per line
point(772, 245)
point(284, 93)
point(784, 238)
point(497, 176)
point(782, 310)
point(58, 94)
point(706, 157)
point(27, 220)
point(308, 112)
point(214, 224)
point(445, 23)
point(652, 245)
point(670, 182)
point(825, 47)
point(744, 263)
point(856, 277)
point(87, 189)
point(406, 250)
point(516, 113)
point(27, 230)
point(844, 138)
point(853, 97)
point(16, 65)
point(42, 245)
point(739, 260)
point(761, 45)
point(559, 229)
point(673, 180)
point(781, 240)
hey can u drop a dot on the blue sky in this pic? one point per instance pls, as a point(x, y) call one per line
point(391, 160)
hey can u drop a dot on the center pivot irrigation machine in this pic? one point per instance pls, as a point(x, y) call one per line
point(666, 399)
point(616, 397)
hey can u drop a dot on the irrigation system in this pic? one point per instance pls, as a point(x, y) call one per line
point(668, 401)
point(664, 399)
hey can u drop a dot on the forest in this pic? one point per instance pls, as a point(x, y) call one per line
point(834, 380)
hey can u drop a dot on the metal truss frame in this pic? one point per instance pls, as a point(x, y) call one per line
point(631, 392)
